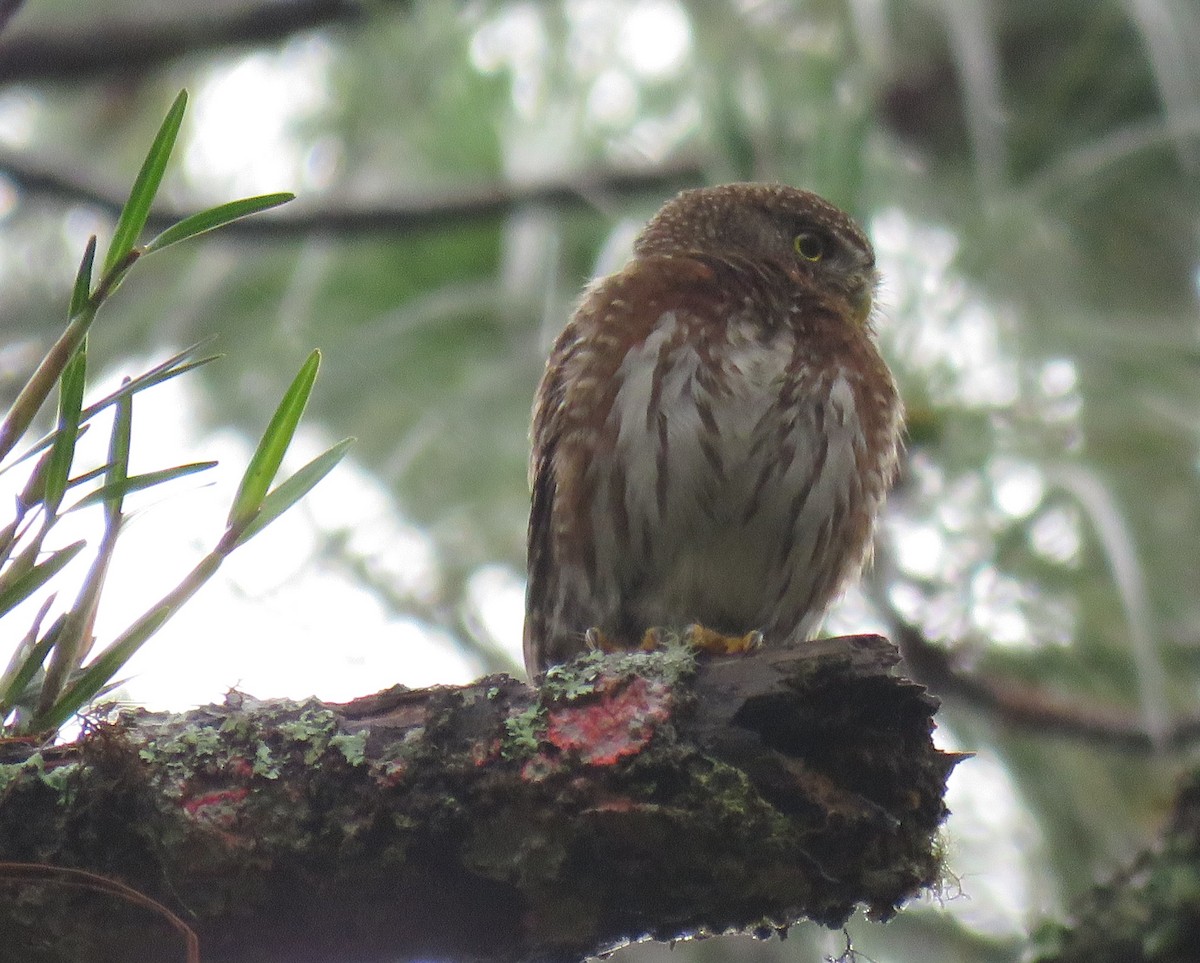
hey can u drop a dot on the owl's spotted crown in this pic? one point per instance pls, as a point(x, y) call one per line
point(747, 215)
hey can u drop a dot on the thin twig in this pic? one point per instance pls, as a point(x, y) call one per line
point(82, 879)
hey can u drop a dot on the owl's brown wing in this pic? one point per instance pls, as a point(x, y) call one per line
point(573, 405)
point(547, 420)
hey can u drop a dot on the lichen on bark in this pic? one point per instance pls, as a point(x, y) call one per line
point(633, 796)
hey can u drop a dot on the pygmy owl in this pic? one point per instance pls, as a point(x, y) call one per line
point(715, 430)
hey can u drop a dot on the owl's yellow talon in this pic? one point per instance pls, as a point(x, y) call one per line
point(697, 636)
point(716, 643)
point(596, 639)
point(652, 639)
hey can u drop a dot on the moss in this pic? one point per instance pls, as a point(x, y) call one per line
point(200, 742)
point(523, 733)
point(670, 664)
point(493, 794)
point(352, 747)
point(265, 763)
point(54, 777)
point(311, 726)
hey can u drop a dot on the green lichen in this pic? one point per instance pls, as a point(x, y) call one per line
point(673, 662)
point(574, 679)
point(523, 733)
point(313, 731)
point(265, 764)
point(317, 720)
point(174, 754)
point(235, 726)
point(353, 747)
point(35, 767)
point(203, 742)
point(670, 663)
point(311, 726)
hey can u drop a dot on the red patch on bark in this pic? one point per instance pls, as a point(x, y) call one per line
point(391, 773)
point(222, 797)
point(240, 767)
point(483, 753)
point(539, 767)
point(617, 724)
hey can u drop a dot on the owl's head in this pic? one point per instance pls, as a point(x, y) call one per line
point(770, 225)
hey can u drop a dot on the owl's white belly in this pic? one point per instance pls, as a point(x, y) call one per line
point(728, 496)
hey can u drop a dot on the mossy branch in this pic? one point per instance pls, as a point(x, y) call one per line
point(636, 796)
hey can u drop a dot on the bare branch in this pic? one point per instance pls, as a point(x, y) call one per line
point(469, 205)
point(1012, 701)
point(1016, 703)
point(7, 9)
point(126, 48)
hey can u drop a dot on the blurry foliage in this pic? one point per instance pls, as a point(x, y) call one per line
point(50, 677)
point(1029, 171)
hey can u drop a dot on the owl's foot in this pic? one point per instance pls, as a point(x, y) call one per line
point(596, 639)
point(652, 638)
point(697, 636)
point(716, 643)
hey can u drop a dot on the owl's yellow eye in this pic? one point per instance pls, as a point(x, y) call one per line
point(809, 246)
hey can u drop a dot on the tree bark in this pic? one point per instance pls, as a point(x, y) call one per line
point(632, 796)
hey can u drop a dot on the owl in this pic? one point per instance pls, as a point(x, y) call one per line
point(715, 431)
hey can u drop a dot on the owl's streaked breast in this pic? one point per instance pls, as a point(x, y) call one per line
point(750, 480)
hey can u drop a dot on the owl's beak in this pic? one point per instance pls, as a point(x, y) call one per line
point(861, 303)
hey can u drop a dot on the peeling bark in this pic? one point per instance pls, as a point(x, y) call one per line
point(631, 796)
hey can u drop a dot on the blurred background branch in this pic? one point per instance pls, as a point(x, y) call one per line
point(1028, 707)
point(7, 9)
point(115, 47)
point(460, 207)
